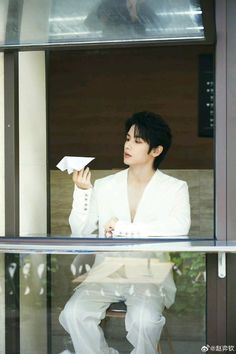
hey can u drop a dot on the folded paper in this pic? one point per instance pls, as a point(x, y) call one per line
point(71, 163)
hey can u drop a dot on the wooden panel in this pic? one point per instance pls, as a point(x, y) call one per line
point(91, 93)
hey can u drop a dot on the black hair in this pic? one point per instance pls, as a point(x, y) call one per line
point(153, 129)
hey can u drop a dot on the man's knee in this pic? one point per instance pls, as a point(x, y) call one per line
point(75, 309)
point(80, 308)
point(150, 319)
point(145, 318)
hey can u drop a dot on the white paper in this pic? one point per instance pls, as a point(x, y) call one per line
point(71, 163)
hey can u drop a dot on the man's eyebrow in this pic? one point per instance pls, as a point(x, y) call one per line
point(136, 136)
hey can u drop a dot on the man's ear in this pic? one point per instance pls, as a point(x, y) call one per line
point(157, 151)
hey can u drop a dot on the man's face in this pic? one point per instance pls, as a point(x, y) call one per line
point(136, 150)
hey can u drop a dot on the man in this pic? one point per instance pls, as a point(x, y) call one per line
point(140, 201)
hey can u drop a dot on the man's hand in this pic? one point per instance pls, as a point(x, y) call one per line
point(82, 178)
point(110, 227)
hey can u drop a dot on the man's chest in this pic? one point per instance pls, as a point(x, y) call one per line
point(135, 194)
point(144, 204)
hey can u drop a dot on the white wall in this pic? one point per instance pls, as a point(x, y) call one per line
point(32, 146)
point(33, 194)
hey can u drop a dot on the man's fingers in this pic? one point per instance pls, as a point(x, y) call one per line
point(85, 175)
point(86, 171)
point(75, 175)
point(82, 178)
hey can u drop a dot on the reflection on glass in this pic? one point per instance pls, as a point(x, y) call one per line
point(145, 285)
point(108, 20)
point(89, 21)
point(2, 307)
point(132, 292)
point(140, 201)
point(33, 303)
point(3, 20)
point(156, 293)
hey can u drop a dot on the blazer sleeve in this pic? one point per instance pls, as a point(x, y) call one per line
point(83, 218)
point(177, 223)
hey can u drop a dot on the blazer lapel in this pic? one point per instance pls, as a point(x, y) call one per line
point(120, 202)
point(149, 193)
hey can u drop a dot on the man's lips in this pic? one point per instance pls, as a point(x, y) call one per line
point(127, 155)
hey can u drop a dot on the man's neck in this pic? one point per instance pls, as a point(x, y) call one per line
point(140, 174)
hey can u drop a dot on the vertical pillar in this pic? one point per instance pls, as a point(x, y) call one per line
point(11, 152)
point(11, 140)
point(33, 196)
point(33, 144)
point(216, 287)
point(221, 122)
point(2, 207)
point(231, 120)
point(231, 169)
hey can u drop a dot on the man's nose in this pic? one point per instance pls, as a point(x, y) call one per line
point(127, 145)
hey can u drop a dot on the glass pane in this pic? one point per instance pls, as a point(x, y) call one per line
point(88, 121)
point(101, 21)
point(3, 20)
point(2, 303)
point(151, 289)
point(112, 20)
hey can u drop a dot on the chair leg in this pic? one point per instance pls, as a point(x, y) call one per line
point(159, 350)
point(169, 341)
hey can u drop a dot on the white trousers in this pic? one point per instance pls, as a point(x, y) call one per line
point(87, 307)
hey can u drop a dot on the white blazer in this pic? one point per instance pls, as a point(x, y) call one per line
point(163, 210)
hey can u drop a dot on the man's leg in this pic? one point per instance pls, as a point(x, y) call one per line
point(144, 320)
point(82, 315)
